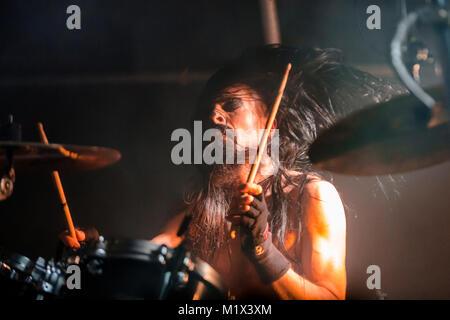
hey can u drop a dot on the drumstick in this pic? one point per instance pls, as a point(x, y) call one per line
point(269, 124)
point(262, 145)
point(59, 188)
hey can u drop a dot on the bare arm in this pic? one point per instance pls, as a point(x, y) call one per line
point(168, 236)
point(322, 248)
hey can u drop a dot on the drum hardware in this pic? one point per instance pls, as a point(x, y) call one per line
point(140, 269)
point(7, 183)
point(187, 277)
point(193, 279)
point(408, 132)
point(13, 132)
point(179, 268)
point(115, 269)
point(49, 278)
point(25, 278)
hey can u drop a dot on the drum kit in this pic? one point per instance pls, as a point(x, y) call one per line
point(117, 269)
point(401, 135)
point(108, 269)
point(369, 142)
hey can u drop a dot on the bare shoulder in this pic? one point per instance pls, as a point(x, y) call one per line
point(321, 190)
point(322, 207)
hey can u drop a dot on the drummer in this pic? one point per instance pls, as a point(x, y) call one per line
point(292, 221)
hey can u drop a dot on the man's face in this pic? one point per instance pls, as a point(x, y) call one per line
point(240, 109)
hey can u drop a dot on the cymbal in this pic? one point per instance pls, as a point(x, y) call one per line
point(36, 156)
point(393, 137)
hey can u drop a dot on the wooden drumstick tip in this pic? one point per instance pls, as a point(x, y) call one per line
point(42, 132)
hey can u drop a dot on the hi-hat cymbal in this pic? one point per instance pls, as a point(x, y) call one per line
point(393, 137)
point(35, 156)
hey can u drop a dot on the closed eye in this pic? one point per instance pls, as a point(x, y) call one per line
point(232, 104)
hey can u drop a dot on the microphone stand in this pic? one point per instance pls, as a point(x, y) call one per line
point(444, 31)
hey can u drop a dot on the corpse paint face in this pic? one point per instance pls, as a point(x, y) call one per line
point(242, 110)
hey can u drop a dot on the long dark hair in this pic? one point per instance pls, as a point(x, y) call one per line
point(320, 89)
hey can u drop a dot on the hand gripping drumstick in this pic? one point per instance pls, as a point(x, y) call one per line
point(59, 188)
point(262, 145)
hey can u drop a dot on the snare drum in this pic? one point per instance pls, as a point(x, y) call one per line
point(140, 269)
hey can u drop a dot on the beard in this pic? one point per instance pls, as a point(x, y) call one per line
point(210, 205)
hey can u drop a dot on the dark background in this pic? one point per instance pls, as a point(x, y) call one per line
point(131, 76)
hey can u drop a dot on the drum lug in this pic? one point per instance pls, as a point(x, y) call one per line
point(94, 267)
point(100, 252)
point(188, 263)
point(182, 279)
point(161, 259)
point(163, 255)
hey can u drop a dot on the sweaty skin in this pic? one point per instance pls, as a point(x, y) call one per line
point(322, 246)
point(321, 250)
